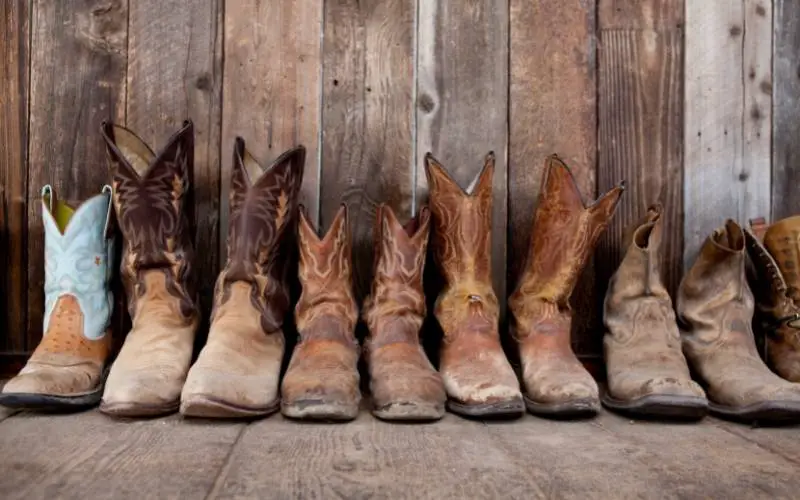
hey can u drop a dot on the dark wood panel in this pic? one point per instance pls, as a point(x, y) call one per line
point(786, 109)
point(175, 73)
point(14, 67)
point(552, 110)
point(78, 66)
point(367, 147)
point(641, 128)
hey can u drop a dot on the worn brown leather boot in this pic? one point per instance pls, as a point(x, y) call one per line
point(477, 376)
point(237, 372)
point(403, 382)
point(153, 201)
point(564, 235)
point(321, 382)
point(715, 311)
point(647, 372)
point(775, 282)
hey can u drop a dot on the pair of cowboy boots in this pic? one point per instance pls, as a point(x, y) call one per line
point(479, 380)
point(647, 373)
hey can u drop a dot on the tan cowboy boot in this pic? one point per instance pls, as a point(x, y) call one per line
point(715, 311)
point(152, 198)
point(775, 282)
point(237, 372)
point(564, 235)
point(66, 371)
point(647, 373)
point(477, 376)
point(403, 382)
point(321, 382)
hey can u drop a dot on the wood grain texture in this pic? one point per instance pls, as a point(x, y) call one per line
point(785, 109)
point(367, 147)
point(727, 129)
point(640, 132)
point(88, 455)
point(271, 88)
point(640, 14)
point(78, 65)
point(14, 66)
point(552, 110)
point(175, 73)
point(462, 102)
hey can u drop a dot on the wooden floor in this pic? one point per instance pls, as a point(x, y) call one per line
point(89, 455)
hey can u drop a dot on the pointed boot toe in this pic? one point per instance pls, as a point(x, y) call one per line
point(63, 387)
point(577, 399)
point(664, 397)
point(404, 386)
point(148, 392)
point(211, 393)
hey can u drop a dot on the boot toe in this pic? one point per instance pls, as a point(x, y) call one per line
point(63, 381)
point(671, 386)
point(144, 393)
point(321, 395)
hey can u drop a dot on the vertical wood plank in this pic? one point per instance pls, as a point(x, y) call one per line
point(175, 73)
point(77, 79)
point(552, 110)
point(462, 102)
point(367, 148)
point(271, 88)
point(727, 60)
point(14, 68)
point(641, 123)
point(786, 110)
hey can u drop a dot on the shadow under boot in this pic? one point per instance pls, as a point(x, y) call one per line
point(565, 233)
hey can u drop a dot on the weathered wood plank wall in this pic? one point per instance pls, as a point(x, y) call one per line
point(695, 104)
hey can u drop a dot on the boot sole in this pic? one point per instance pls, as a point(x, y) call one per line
point(660, 406)
point(209, 407)
point(579, 408)
point(775, 412)
point(138, 410)
point(409, 412)
point(51, 402)
point(514, 408)
point(318, 409)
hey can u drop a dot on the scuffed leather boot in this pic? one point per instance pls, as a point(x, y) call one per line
point(715, 311)
point(403, 382)
point(775, 282)
point(237, 372)
point(564, 235)
point(647, 373)
point(66, 371)
point(477, 376)
point(152, 198)
point(321, 382)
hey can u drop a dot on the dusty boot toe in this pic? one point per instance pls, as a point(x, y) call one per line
point(143, 393)
point(564, 396)
point(209, 393)
point(407, 392)
point(329, 397)
point(53, 388)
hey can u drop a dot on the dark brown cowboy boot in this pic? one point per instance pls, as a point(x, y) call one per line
point(775, 282)
point(647, 372)
point(321, 382)
point(715, 311)
point(153, 201)
point(477, 376)
point(403, 382)
point(236, 374)
point(564, 235)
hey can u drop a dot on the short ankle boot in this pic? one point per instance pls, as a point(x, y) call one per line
point(477, 376)
point(565, 233)
point(322, 380)
point(153, 202)
point(647, 373)
point(66, 371)
point(403, 382)
point(715, 312)
point(237, 372)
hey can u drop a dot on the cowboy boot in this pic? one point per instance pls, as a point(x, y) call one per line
point(66, 370)
point(152, 198)
point(403, 382)
point(775, 283)
point(715, 311)
point(564, 236)
point(321, 382)
point(237, 372)
point(647, 372)
point(477, 376)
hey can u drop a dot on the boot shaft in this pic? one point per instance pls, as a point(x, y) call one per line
point(782, 240)
point(153, 200)
point(79, 255)
point(327, 306)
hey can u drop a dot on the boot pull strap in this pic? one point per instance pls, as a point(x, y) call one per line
point(47, 191)
point(108, 190)
point(759, 228)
